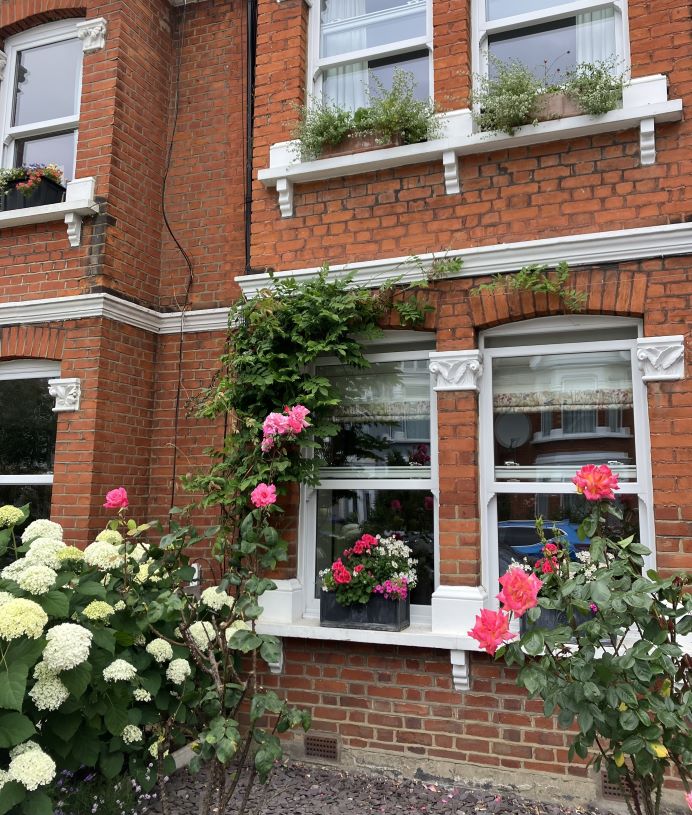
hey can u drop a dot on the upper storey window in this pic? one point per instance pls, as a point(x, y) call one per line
point(551, 37)
point(39, 97)
point(357, 42)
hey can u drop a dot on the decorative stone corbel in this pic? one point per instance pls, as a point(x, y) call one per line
point(284, 188)
point(278, 666)
point(461, 670)
point(647, 141)
point(661, 358)
point(80, 192)
point(92, 33)
point(3, 64)
point(456, 370)
point(66, 392)
point(450, 163)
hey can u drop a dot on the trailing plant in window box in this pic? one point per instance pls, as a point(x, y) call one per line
point(392, 117)
point(506, 100)
point(31, 186)
point(595, 87)
point(537, 278)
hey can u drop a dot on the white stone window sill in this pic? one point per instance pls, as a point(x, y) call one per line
point(645, 103)
point(79, 204)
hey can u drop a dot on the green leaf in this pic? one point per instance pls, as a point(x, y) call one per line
point(585, 720)
point(600, 592)
point(533, 643)
point(37, 803)
point(14, 729)
point(13, 685)
point(629, 720)
point(116, 719)
point(11, 795)
point(91, 588)
point(77, 679)
point(55, 604)
point(111, 763)
point(104, 638)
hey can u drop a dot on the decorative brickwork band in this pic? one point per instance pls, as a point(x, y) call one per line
point(661, 358)
point(92, 33)
point(456, 370)
point(66, 392)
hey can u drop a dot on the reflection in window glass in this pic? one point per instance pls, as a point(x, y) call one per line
point(27, 427)
point(553, 413)
point(59, 149)
point(344, 515)
point(509, 8)
point(47, 82)
point(36, 495)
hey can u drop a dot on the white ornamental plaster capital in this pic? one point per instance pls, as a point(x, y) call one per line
point(92, 33)
point(456, 370)
point(661, 359)
point(66, 392)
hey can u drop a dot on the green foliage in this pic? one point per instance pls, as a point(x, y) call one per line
point(411, 311)
point(392, 115)
point(507, 100)
point(537, 278)
point(29, 177)
point(595, 87)
point(616, 665)
point(86, 793)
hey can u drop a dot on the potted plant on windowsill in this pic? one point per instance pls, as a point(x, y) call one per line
point(369, 586)
point(392, 117)
point(34, 185)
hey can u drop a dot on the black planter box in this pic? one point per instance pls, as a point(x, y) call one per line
point(47, 192)
point(377, 614)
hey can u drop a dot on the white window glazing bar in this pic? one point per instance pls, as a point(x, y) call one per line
point(378, 52)
point(19, 480)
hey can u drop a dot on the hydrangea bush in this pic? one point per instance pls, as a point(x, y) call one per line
point(616, 666)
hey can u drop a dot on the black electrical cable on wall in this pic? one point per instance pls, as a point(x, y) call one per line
point(250, 61)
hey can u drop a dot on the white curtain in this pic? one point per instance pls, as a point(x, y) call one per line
point(595, 36)
point(345, 85)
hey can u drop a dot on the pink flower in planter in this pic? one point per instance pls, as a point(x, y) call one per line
point(688, 798)
point(263, 495)
point(429, 503)
point(596, 483)
point(117, 499)
point(395, 505)
point(519, 590)
point(491, 630)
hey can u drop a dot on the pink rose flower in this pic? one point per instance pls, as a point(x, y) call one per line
point(263, 495)
point(267, 444)
point(395, 505)
point(688, 798)
point(276, 424)
point(296, 417)
point(117, 499)
point(491, 630)
point(596, 483)
point(519, 590)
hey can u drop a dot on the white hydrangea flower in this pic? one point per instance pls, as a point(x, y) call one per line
point(120, 606)
point(10, 516)
point(15, 568)
point(42, 528)
point(5, 597)
point(67, 645)
point(49, 694)
point(103, 555)
point(22, 618)
point(140, 639)
point(178, 671)
point(32, 768)
point(139, 552)
point(98, 610)
point(119, 671)
point(45, 551)
point(5, 777)
point(202, 634)
point(160, 650)
point(37, 579)
point(111, 536)
point(131, 734)
point(70, 553)
point(216, 598)
point(42, 672)
point(233, 628)
point(141, 695)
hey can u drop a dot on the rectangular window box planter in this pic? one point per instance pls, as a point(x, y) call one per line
point(47, 192)
point(377, 614)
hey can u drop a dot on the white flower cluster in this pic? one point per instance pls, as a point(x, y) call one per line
point(131, 734)
point(120, 606)
point(160, 650)
point(141, 695)
point(42, 528)
point(45, 551)
point(178, 671)
point(49, 693)
point(36, 579)
point(5, 597)
point(103, 555)
point(22, 618)
point(202, 634)
point(30, 766)
point(70, 553)
point(119, 671)
point(143, 574)
point(216, 598)
point(67, 645)
point(98, 610)
point(10, 516)
point(111, 536)
point(394, 548)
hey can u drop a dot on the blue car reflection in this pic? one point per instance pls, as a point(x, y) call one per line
point(521, 538)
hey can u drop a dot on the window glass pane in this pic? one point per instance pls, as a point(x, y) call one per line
point(553, 413)
point(58, 150)
point(495, 9)
point(384, 420)
point(36, 495)
point(344, 515)
point(27, 427)
point(352, 25)
point(552, 49)
point(47, 82)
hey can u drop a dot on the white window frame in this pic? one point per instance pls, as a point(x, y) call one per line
point(482, 28)
point(307, 523)
point(491, 488)
point(28, 369)
point(318, 65)
point(41, 35)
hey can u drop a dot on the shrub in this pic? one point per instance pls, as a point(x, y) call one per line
point(595, 87)
point(507, 100)
point(321, 125)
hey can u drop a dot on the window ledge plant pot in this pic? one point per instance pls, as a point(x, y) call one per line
point(557, 105)
point(377, 614)
point(46, 192)
point(357, 143)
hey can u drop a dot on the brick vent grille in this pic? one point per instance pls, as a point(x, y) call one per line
point(611, 791)
point(323, 747)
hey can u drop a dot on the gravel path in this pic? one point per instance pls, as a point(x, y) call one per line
point(298, 789)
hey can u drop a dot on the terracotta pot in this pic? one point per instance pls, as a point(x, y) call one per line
point(357, 144)
point(555, 106)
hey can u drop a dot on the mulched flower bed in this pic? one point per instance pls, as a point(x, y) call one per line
point(298, 789)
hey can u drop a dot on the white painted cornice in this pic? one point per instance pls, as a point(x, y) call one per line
point(578, 250)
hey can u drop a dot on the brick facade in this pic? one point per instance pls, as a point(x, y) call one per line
point(161, 60)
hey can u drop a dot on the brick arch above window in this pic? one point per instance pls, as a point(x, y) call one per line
point(31, 341)
point(25, 14)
